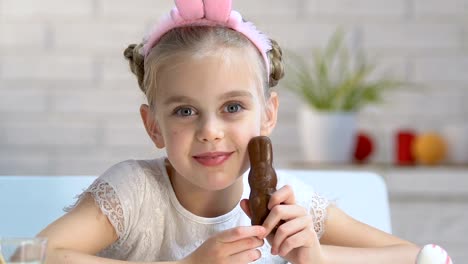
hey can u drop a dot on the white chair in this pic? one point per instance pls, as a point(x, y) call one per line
point(30, 203)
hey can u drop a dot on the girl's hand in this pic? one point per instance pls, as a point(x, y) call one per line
point(236, 245)
point(295, 240)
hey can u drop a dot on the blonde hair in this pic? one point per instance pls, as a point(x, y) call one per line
point(197, 40)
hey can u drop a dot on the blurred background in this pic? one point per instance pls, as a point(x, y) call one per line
point(69, 104)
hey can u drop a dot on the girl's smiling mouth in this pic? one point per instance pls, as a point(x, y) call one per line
point(212, 158)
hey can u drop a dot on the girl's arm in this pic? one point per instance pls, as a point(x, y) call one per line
point(346, 240)
point(73, 257)
point(80, 234)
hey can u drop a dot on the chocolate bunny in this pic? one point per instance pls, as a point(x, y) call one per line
point(262, 178)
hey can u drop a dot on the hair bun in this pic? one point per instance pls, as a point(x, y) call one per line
point(275, 56)
point(136, 62)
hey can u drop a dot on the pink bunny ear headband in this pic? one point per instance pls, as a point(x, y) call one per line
point(208, 13)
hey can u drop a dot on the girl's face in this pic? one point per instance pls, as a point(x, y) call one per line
point(207, 110)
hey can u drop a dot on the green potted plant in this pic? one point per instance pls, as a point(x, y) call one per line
point(333, 84)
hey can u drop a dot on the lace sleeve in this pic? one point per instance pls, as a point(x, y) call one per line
point(307, 197)
point(106, 198)
point(119, 193)
point(318, 209)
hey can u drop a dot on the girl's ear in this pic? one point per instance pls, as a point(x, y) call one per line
point(151, 126)
point(271, 114)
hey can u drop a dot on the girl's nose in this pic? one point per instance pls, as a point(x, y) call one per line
point(210, 129)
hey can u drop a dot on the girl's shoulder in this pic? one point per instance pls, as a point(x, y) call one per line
point(132, 171)
point(131, 180)
point(127, 189)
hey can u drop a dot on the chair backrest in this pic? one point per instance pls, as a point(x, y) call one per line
point(30, 203)
point(362, 195)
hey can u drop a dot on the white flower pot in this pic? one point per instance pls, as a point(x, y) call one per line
point(327, 137)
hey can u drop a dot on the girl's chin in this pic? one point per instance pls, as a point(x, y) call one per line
point(219, 185)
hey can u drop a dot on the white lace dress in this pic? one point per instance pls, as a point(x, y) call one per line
point(138, 199)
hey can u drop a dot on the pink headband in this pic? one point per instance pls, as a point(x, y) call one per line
point(208, 13)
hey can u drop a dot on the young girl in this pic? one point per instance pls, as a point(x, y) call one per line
point(207, 76)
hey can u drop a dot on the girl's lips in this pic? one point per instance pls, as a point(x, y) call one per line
point(212, 158)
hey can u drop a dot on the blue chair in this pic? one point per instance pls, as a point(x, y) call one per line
point(362, 195)
point(29, 203)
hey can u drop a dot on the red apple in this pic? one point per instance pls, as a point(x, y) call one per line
point(364, 147)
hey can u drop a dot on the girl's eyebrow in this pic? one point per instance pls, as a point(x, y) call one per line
point(237, 93)
point(186, 99)
point(178, 99)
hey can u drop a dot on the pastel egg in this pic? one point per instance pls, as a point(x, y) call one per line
point(433, 254)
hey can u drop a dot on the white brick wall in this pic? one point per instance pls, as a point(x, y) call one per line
point(447, 68)
point(116, 68)
point(31, 8)
point(65, 58)
point(16, 161)
point(96, 36)
point(277, 8)
point(412, 36)
point(297, 35)
point(49, 133)
point(136, 10)
point(97, 101)
point(129, 133)
point(25, 100)
point(437, 8)
point(71, 53)
point(22, 34)
point(370, 8)
point(89, 161)
point(47, 67)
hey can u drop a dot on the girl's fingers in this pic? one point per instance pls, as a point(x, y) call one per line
point(239, 233)
point(247, 256)
point(284, 195)
point(242, 245)
point(282, 212)
point(301, 239)
point(289, 229)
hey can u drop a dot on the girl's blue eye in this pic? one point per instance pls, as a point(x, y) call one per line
point(184, 111)
point(233, 108)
